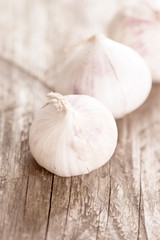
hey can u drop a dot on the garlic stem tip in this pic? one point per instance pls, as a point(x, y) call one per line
point(50, 94)
point(58, 100)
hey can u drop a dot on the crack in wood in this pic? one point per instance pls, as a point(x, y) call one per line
point(67, 210)
point(25, 201)
point(146, 235)
point(140, 205)
point(140, 197)
point(109, 197)
point(139, 210)
point(97, 233)
point(49, 209)
point(140, 217)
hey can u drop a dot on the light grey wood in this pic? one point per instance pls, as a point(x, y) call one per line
point(119, 201)
point(25, 187)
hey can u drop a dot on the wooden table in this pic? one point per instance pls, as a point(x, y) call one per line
point(120, 201)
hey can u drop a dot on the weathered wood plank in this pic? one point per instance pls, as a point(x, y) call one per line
point(120, 200)
point(25, 187)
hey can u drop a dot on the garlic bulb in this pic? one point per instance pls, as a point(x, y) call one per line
point(138, 26)
point(109, 71)
point(72, 135)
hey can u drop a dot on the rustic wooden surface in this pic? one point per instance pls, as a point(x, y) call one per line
point(120, 201)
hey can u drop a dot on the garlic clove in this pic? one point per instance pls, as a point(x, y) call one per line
point(107, 70)
point(72, 135)
point(138, 26)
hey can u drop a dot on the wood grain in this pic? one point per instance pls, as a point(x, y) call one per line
point(119, 201)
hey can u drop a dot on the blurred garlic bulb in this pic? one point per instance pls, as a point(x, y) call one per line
point(138, 26)
point(154, 4)
point(72, 135)
point(109, 71)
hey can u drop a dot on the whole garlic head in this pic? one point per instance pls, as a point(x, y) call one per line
point(109, 71)
point(138, 26)
point(72, 135)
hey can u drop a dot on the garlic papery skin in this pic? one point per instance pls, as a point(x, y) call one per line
point(107, 70)
point(138, 26)
point(72, 135)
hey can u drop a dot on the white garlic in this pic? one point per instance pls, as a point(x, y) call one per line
point(138, 26)
point(72, 135)
point(109, 71)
